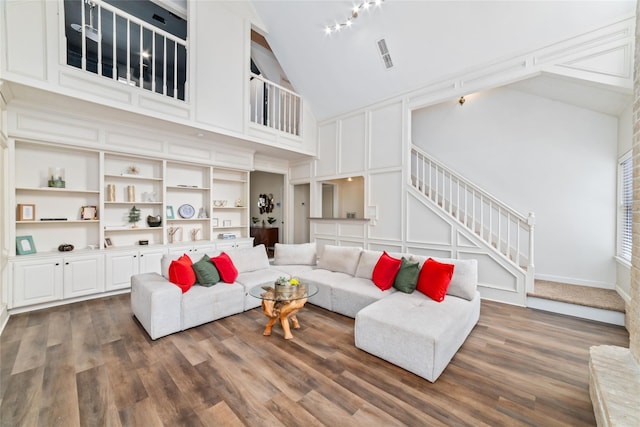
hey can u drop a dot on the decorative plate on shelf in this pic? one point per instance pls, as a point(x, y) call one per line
point(186, 211)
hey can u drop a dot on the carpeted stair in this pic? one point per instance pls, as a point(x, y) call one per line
point(604, 305)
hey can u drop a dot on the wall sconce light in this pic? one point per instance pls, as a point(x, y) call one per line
point(349, 179)
point(461, 101)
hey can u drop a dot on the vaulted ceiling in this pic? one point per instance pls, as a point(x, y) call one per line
point(428, 41)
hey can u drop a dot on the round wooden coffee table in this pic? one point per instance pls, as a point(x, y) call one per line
point(283, 306)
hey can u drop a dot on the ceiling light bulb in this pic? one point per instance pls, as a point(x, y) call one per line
point(365, 5)
point(378, 2)
point(349, 23)
point(337, 27)
point(327, 30)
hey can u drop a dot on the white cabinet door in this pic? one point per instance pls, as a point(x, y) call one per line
point(193, 251)
point(37, 282)
point(120, 267)
point(149, 261)
point(198, 251)
point(179, 250)
point(83, 275)
point(234, 244)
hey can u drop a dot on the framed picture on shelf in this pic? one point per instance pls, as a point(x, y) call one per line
point(169, 214)
point(108, 243)
point(26, 212)
point(24, 245)
point(215, 222)
point(226, 223)
point(89, 213)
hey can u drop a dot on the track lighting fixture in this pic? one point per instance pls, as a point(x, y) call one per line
point(355, 12)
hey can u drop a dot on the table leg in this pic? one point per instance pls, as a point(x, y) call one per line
point(294, 321)
point(267, 330)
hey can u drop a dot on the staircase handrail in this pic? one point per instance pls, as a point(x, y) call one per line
point(506, 216)
point(460, 177)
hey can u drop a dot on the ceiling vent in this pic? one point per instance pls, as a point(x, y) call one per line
point(384, 54)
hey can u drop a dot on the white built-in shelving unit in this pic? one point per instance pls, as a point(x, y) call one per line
point(112, 184)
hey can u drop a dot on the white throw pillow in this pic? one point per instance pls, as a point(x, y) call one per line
point(249, 259)
point(368, 261)
point(298, 254)
point(465, 275)
point(343, 259)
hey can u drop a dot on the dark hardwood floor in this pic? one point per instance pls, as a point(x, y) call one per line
point(92, 364)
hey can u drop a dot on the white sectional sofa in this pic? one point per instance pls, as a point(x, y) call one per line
point(410, 330)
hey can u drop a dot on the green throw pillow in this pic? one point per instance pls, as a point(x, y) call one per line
point(206, 273)
point(407, 276)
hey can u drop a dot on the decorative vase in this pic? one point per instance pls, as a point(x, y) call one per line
point(111, 193)
point(284, 290)
point(131, 193)
point(154, 221)
point(56, 178)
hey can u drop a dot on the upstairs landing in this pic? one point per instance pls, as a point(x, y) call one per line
point(604, 305)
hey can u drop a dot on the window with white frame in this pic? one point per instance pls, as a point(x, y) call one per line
point(625, 214)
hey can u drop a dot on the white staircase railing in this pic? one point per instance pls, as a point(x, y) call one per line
point(275, 106)
point(498, 225)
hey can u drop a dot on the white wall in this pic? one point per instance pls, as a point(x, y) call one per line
point(625, 130)
point(537, 155)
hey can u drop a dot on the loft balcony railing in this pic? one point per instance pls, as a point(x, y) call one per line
point(107, 41)
point(274, 106)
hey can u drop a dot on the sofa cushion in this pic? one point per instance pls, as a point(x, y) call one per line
point(349, 296)
point(301, 254)
point(434, 279)
point(384, 273)
point(206, 273)
point(249, 259)
point(292, 270)
point(181, 273)
point(464, 282)
point(415, 332)
point(325, 280)
point(341, 259)
point(227, 270)
point(201, 305)
point(165, 262)
point(407, 277)
point(366, 263)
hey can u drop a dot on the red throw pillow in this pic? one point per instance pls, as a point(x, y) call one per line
point(434, 279)
point(385, 271)
point(228, 271)
point(181, 273)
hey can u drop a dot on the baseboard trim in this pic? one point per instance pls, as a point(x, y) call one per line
point(4, 317)
point(581, 311)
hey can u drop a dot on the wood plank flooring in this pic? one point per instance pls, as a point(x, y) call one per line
point(92, 364)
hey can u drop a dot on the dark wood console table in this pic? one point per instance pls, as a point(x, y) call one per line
point(268, 236)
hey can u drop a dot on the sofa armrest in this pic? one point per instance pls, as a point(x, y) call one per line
point(156, 303)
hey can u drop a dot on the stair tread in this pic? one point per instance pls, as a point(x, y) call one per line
point(606, 299)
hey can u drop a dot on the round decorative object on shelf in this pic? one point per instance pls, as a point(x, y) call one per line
point(154, 221)
point(186, 211)
point(65, 247)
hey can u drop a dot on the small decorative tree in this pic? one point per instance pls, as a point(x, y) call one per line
point(134, 216)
